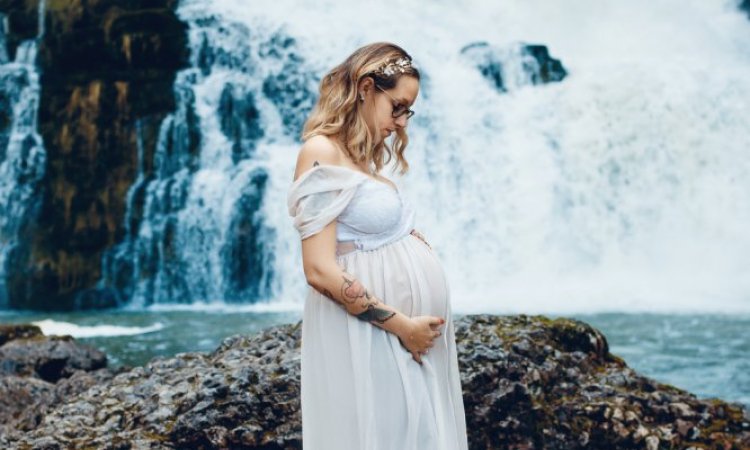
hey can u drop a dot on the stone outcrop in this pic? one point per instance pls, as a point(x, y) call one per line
point(37, 373)
point(107, 71)
point(528, 382)
point(497, 64)
point(531, 382)
point(48, 358)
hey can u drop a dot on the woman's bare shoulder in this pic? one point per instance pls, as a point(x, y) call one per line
point(317, 149)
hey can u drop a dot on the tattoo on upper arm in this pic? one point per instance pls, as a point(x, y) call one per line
point(316, 163)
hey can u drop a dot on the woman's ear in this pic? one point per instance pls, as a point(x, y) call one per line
point(363, 89)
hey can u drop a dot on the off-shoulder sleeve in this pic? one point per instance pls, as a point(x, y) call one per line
point(319, 195)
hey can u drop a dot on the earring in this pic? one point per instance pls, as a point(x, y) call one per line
point(361, 97)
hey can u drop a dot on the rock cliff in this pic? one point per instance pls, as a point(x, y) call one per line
point(106, 73)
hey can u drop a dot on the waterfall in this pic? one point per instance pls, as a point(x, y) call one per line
point(623, 185)
point(22, 161)
point(200, 233)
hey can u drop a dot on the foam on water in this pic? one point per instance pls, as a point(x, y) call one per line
point(59, 328)
point(224, 307)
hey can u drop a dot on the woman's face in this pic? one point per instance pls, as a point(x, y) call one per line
point(379, 105)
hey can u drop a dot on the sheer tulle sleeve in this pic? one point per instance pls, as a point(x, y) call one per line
point(319, 195)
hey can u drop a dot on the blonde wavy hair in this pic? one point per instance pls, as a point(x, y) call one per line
point(338, 113)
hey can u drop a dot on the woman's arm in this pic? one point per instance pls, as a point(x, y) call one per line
point(327, 277)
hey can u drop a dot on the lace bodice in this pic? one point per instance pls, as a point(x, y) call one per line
point(369, 212)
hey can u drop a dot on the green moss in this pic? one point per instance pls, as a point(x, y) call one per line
point(735, 413)
point(718, 425)
point(616, 360)
point(56, 5)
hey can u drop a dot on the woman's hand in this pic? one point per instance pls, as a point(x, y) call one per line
point(418, 335)
point(419, 235)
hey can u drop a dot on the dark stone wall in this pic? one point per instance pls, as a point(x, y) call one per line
point(104, 65)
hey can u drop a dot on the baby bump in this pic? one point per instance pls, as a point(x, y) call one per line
point(417, 280)
point(405, 274)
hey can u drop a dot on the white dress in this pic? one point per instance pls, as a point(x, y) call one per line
point(360, 388)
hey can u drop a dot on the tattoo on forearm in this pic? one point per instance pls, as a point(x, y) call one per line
point(373, 313)
point(352, 291)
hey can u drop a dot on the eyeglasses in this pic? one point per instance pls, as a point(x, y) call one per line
point(398, 108)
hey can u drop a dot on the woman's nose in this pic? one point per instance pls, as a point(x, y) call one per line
point(401, 121)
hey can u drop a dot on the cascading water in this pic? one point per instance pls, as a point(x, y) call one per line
point(196, 230)
point(23, 159)
point(623, 186)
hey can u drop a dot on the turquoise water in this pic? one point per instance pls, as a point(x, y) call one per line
point(162, 333)
point(708, 355)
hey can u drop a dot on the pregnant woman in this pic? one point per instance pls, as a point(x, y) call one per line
point(379, 365)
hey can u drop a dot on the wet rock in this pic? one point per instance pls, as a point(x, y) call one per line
point(586, 394)
point(528, 382)
point(681, 410)
point(290, 86)
point(245, 394)
point(48, 358)
point(18, 331)
point(17, 393)
point(541, 67)
point(24, 401)
point(514, 66)
point(37, 373)
point(245, 266)
point(240, 121)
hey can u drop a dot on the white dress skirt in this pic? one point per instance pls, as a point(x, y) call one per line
point(361, 389)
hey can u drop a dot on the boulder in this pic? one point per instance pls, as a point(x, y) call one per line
point(40, 372)
point(48, 358)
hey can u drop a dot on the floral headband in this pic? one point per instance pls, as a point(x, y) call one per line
point(401, 65)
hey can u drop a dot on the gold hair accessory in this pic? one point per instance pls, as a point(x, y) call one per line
point(402, 65)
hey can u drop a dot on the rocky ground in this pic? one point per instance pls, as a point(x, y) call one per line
point(528, 382)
